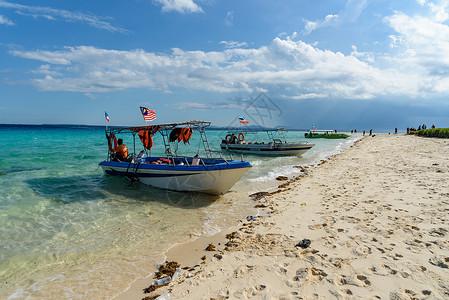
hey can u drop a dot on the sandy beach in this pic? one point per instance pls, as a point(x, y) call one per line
point(376, 217)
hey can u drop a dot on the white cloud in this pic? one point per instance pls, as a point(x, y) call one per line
point(352, 11)
point(417, 67)
point(207, 106)
point(56, 14)
point(423, 45)
point(296, 67)
point(229, 21)
point(233, 44)
point(181, 6)
point(439, 9)
point(306, 96)
point(4, 20)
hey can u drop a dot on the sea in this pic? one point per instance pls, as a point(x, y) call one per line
point(70, 231)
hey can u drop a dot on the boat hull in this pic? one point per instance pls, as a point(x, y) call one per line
point(285, 149)
point(216, 178)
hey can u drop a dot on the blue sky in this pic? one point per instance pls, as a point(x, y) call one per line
point(329, 63)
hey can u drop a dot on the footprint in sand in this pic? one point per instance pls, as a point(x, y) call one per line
point(362, 250)
point(242, 270)
point(310, 274)
point(363, 279)
point(440, 261)
point(438, 232)
point(252, 291)
point(359, 280)
point(383, 270)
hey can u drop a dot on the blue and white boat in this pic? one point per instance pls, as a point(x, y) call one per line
point(277, 144)
point(180, 173)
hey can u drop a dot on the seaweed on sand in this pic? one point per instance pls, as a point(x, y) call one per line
point(168, 269)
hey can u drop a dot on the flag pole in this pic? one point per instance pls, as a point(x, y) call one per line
point(106, 119)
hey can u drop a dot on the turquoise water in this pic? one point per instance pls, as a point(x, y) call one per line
point(69, 231)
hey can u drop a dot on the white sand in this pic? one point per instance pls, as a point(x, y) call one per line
point(377, 217)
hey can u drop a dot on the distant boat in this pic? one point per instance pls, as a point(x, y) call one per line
point(276, 146)
point(180, 173)
point(325, 134)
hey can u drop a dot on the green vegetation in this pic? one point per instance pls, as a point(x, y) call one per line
point(326, 135)
point(434, 132)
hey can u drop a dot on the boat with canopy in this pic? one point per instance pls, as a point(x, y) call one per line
point(277, 144)
point(206, 173)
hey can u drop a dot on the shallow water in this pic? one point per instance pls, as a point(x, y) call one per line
point(70, 231)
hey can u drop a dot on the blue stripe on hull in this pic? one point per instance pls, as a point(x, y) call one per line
point(132, 174)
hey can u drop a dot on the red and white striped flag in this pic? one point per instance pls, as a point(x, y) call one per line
point(148, 114)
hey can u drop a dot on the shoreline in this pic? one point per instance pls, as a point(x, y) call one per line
point(377, 218)
point(189, 253)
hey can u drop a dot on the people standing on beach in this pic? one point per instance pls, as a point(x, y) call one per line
point(363, 132)
point(395, 130)
point(370, 132)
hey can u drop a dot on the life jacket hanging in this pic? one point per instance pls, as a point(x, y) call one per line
point(146, 138)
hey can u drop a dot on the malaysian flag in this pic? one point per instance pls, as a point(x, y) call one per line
point(106, 116)
point(242, 120)
point(148, 114)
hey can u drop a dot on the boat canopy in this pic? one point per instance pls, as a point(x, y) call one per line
point(170, 132)
point(155, 128)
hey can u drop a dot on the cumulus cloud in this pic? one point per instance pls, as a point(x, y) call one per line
point(439, 9)
point(352, 11)
point(5, 21)
point(423, 45)
point(181, 6)
point(60, 14)
point(417, 67)
point(296, 68)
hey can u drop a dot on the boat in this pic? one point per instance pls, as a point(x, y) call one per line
point(277, 144)
point(325, 134)
point(200, 173)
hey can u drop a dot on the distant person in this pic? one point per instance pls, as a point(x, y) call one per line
point(433, 126)
point(419, 127)
point(408, 130)
point(352, 131)
point(363, 132)
point(122, 151)
point(370, 132)
point(395, 130)
point(355, 130)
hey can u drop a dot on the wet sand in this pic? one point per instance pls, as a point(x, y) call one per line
point(376, 217)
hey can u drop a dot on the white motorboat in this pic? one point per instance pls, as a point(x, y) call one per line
point(276, 146)
point(180, 173)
